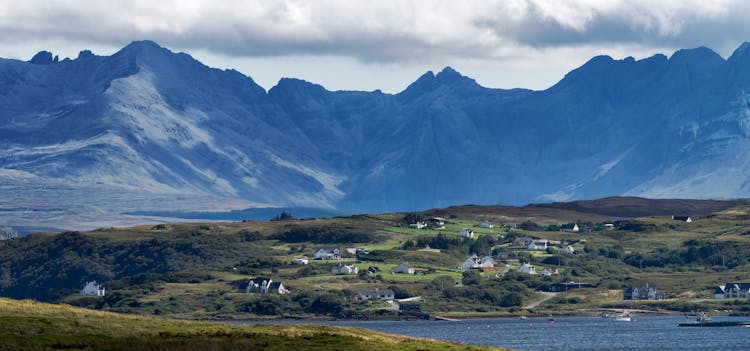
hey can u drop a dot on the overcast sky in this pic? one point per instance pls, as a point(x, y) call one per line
point(367, 45)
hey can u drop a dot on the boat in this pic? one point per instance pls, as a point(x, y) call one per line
point(622, 317)
point(704, 320)
point(523, 318)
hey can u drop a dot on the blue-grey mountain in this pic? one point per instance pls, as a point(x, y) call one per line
point(149, 129)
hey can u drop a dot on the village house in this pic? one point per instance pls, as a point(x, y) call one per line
point(475, 262)
point(327, 253)
point(93, 289)
point(418, 225)
point(375, 294)
point(466, 233)
point(609, 226)
point(644, 292)
point(485, 224)
point(537, 245)
point(261, 285)
point(527, 269)
point(685, 219)
point(523, 241)
point(569, 227)
point(299, 260)
point(344, 269)
point(438, 222)
point(549, 272)
point(569, 250)
point(404, 268)
point(732, 291)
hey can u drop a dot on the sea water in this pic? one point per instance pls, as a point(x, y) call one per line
point(570, 333)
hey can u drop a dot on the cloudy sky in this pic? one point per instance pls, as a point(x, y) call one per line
point(367, 45)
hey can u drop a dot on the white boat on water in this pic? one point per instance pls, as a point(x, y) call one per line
point(622, 318)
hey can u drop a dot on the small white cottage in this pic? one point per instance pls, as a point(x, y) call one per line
point(344, 269)
point(566, 250)
point(328, 253)
point(266, 286)
point(375, 294)
point(527, 269)
point(475, 262)
point(418, 225)
point(93, 289)
point(404, 268)
point(300, 260)
point(486, 224)
point(466, 233)
point(537, 245)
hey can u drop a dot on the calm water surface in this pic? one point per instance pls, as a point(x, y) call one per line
point(571, 333)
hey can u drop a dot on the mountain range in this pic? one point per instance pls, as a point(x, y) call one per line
point(148, 129)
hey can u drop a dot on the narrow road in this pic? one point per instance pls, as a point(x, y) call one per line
point(547, 296)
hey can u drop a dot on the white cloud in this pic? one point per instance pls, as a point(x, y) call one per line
point(494, 34)
point(372, 31)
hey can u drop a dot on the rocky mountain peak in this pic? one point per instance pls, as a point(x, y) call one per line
point(44, 58)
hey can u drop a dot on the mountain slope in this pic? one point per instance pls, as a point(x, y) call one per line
point(148, 129)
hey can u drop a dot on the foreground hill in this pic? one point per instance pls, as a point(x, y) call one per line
point(149, 129)
point(27, 325)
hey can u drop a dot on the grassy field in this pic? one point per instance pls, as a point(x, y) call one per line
point(27, 325)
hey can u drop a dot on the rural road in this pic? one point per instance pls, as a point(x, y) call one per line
point(547, 296)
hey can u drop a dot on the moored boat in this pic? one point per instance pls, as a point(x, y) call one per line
point(622, 318)
point(704, 320)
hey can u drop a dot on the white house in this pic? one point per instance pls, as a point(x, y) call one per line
point(523, 241)
point(732, 291)
point(466, 233)
point(404, 268)
point(527, 268)
point(537, 245)
point(569, 227)
point(418, 225)
point(609, 226)
point(375, 294)
point(299, 260)
point(475, 262)
point(344, 269)
point(686, 219)
point(327, 253)
point(93, 289)
point(485, 224)
point(549, 272)
point(566, 250)
point(266, 286)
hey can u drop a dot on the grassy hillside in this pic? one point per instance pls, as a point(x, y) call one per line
point(27, 325)
point(200, 270)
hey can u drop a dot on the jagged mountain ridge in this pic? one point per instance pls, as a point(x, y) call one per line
point(146, 123)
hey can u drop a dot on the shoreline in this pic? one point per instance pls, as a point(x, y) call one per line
point(455, 316)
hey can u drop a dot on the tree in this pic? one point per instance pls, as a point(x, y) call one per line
point(327, 304)
point(511, 300)
point(413, 217)
point(471, 278)
point(283, 216)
